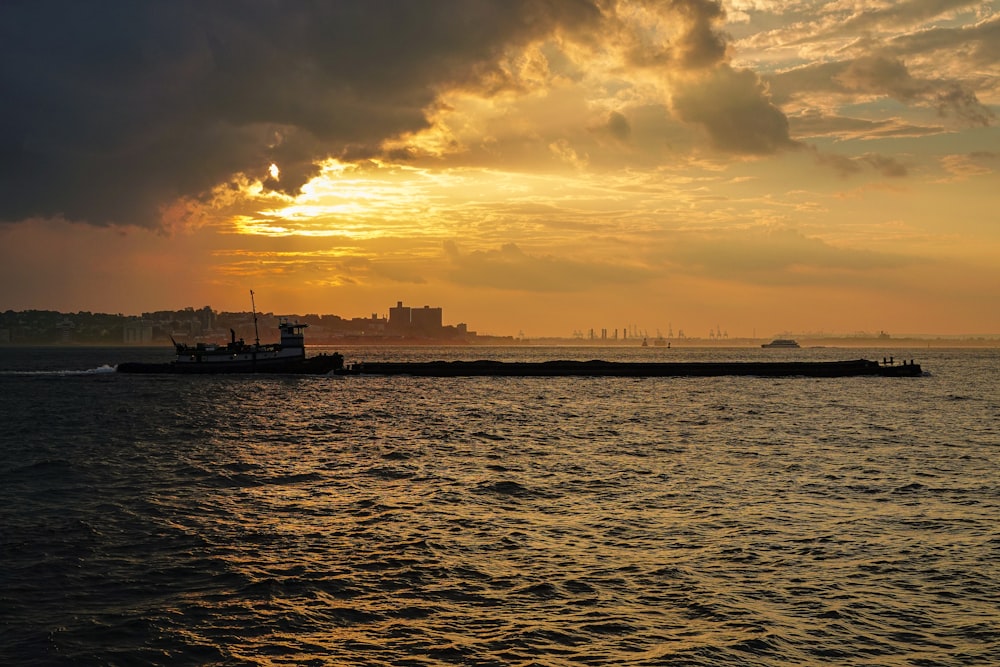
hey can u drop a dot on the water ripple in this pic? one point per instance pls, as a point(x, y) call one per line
point(499, 521)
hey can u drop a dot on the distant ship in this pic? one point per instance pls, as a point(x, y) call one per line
point(781, 342)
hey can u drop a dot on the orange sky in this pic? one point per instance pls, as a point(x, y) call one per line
point(751, 165)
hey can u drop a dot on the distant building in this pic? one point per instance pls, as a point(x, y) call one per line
point(137, 332)
point(369, 326)
point(206, 317)
point(425, 321)
point(65, 329)
point(399, 319)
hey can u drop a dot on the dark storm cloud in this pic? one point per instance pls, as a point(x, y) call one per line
point(113, 109)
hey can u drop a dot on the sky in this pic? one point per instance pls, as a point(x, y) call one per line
point(533, 167)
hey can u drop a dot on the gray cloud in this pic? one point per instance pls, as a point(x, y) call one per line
point(875, 74)
point(954, 99)
point(978, 44)
point(113, 109)
point(815, 123)
point(884, 42)
point(698, 45)
point(908, 12)
point(888, 167)
point(701, 44)
point(618, 126)
point(881, 75)
point(734, 108)
point(731, 104)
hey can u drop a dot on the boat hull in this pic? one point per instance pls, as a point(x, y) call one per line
point(597, 368)
point(319, 365)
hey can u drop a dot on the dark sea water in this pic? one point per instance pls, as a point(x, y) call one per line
point(274, 520)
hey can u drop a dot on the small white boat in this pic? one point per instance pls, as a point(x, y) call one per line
point(781, 342)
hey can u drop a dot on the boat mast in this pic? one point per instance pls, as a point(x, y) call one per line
point(253, 307)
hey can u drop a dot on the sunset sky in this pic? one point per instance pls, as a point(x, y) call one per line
point(535, 166)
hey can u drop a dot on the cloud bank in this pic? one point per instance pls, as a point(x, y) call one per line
point(113, 109)
point(117, 110)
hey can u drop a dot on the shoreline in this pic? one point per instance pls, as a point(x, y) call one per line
point(804, 343)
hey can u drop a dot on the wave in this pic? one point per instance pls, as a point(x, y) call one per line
point(519, 522)
point(100, 370)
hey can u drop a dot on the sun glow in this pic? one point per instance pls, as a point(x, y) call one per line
point(365, 200)
point(485, 208)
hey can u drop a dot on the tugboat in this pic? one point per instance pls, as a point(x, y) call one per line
point(781, 342)
point(286, 356)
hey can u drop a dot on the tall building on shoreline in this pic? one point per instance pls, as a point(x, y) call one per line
point(407, 321)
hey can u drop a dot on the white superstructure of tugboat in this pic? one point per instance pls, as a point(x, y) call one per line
point(238, 356)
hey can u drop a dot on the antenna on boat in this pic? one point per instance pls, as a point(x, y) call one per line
point(253, 307)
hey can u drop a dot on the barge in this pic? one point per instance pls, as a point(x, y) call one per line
point(289, 357)
point(598, 368)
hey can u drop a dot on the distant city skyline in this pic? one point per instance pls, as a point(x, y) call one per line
point(544, 168)
point(401, 321)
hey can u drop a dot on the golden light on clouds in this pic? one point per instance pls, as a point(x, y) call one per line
point(360, 201)
point(778, 166)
